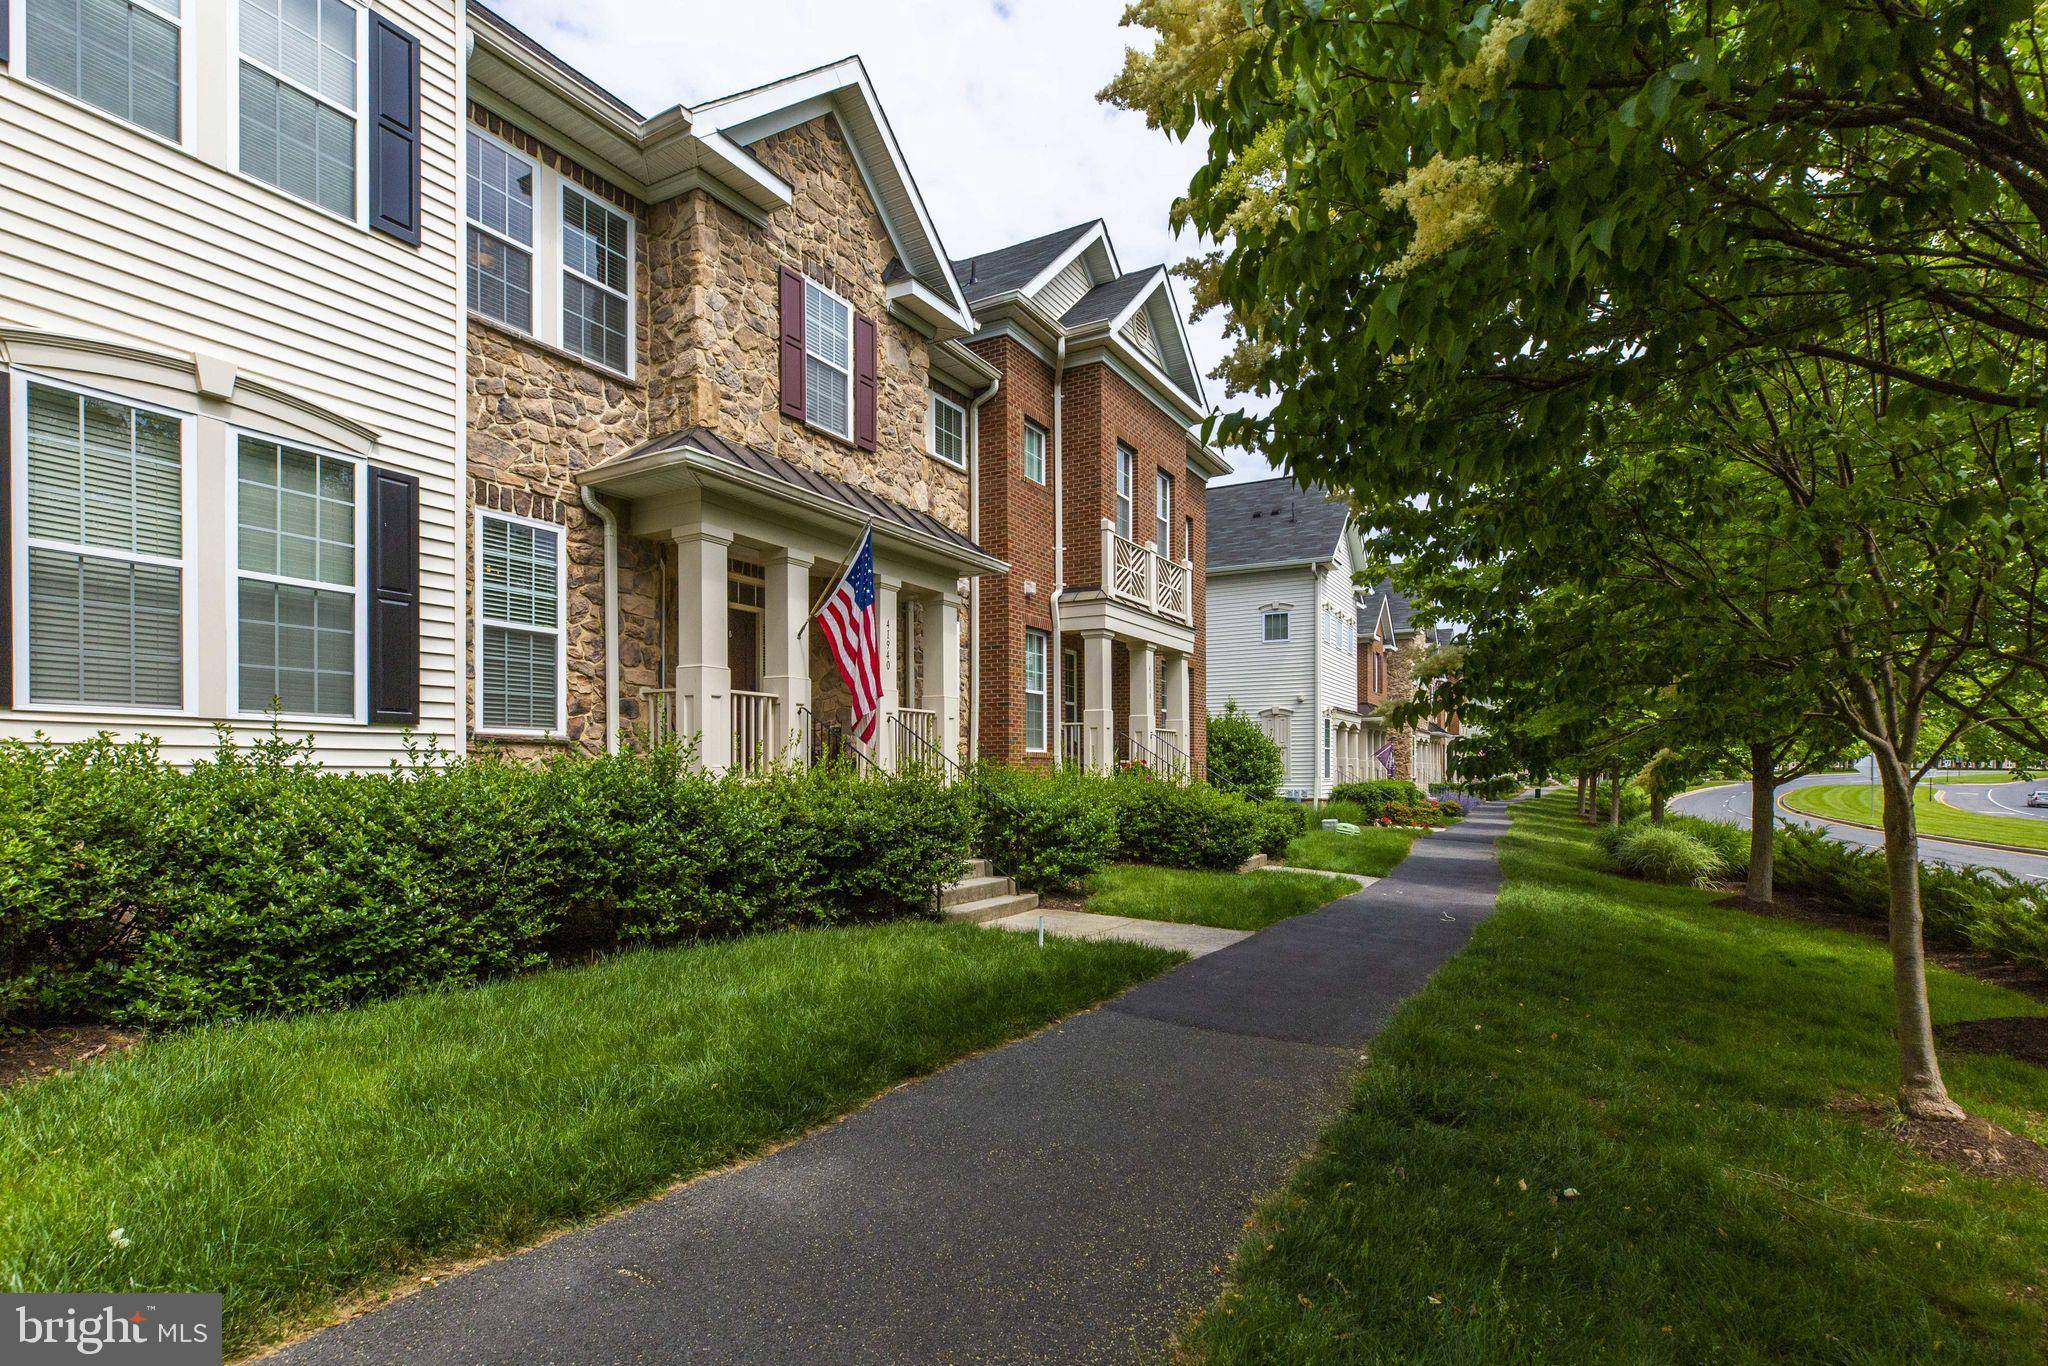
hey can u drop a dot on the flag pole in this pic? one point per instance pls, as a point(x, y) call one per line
point(832, 584)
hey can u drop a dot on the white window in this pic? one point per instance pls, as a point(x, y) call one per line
point(1162, 513)
point(1126, 482)
point(519, 624)
point(1035, 644)
point(949, 432)
point(828, 360)
point(300, 89)
point(114, 55)
point(102, 561)
point(1278, 625)
point(500, 208)
point(298, 613)
point(1034, 452)
point(597, 252)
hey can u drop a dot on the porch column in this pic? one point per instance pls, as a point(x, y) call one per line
point(788, 674)
point(941, 679)
point(884, 748)
point(1098, 721)
point(1177, 698)
point(703, 673)
point(1144, 698)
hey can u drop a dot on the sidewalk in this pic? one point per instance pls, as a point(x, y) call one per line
point(1067, 1198)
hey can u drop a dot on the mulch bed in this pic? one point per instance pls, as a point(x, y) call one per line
point(28, 1056)
point(1973, 1146)
point(2013, 1036)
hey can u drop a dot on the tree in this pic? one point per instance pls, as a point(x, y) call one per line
point(1242, 757)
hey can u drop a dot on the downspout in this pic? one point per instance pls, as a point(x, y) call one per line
point(610, 520)
point(1315, 686)
point(974, 584)
point(1056, 666)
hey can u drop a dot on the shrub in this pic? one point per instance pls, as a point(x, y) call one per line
point(1372, 798)
point(1049, 832)
point(1662, 854)
point(1729, 841)
point(1181, 825)
point(1243, 759)
point(257, 884)
point(1278, 824)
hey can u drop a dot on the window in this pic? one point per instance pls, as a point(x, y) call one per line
point(828, 361)
point(295, 591)
point(596, 269)
point(1278, 625)
point(1035, 644)
point(1034, 452)
point(104, 550)
point(949, 432)
point(500, 206)
point(299, 100)
point(519, 593)
point(114, 55)
point(1162, 514)
point(1126, 482)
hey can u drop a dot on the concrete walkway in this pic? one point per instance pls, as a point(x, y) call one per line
point(1193, 940)
point(1063, 1199)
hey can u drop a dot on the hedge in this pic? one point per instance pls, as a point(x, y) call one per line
point(257, 884)
point(1243, 759)
point(1053, 831)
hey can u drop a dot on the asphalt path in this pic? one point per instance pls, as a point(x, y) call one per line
point(1730, 803)
point(1067, 1198)
point(1995, 799)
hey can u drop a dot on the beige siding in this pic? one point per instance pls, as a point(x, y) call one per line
point(1065, 289)
point(1139, 332)
point(112, 236)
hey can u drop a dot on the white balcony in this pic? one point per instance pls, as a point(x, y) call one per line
point(1140, 575)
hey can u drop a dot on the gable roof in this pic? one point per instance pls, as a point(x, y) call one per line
point(1107, 302)
point(842, 88)
point(1399, 609)
point(1272, 522)
point(1013, 267)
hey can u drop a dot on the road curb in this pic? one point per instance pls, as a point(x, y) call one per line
point(1785, 810)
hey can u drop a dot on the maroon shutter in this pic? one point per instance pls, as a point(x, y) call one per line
point(394, 599)
point(792, 344)
point(6, 521)
point(864, 382)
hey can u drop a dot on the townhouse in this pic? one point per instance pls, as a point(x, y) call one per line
point(1392, 645)
point(1092, 488)
point(230, 372)
point(1283, 629)
point(379, 371)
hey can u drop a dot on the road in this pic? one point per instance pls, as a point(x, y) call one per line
point(1995, 799)
point(1731, 803)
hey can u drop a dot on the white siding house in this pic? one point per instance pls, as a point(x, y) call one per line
point(1283, 629)
point(231, 351)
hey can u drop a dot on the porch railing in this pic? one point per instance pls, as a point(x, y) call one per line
point(757, 738)
point(1140, 574)
point(1170, 755)
point(917, 733)
point(1073, 743)
point(666, 716)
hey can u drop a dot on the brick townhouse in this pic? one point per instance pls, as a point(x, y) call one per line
point(1392, 644)
point(1092, 479)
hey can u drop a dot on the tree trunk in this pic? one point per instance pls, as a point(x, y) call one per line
point(1657, 806)
point(1593, 797)
point(1763, 821)
point(1614, 798)
point(1582, 794)
point(1921, 1093)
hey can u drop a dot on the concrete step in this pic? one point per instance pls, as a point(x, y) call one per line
point(980, 867)
point(993, 908)
point(975, 889)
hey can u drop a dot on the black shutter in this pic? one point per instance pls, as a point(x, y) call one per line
point(394, 599)
point(4, 30)
point(6, 503)
point(394, 130)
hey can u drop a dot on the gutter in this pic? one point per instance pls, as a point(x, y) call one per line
point(610, 520)
point(974, 584)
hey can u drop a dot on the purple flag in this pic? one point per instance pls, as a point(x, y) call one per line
point(1385, 755)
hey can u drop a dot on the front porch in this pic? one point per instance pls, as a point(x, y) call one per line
point(757, 542)
point(1125, 687)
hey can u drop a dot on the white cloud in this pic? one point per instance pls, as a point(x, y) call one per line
point(993, 104)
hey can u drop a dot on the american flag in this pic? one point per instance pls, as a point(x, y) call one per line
point(1385, 755)
point(848, 618)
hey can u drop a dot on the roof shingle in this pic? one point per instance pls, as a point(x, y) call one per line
point(1014, 266)
point(1272, 521)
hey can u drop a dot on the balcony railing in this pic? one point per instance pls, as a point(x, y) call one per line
point(1139, 574)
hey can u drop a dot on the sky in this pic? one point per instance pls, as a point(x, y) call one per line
point(992, 101)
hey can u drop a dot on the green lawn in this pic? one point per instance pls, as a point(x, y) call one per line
point(1856, 803)
point(1231, 901)
point(1603, 1133)
point(1371, 852)
point(291, 1164)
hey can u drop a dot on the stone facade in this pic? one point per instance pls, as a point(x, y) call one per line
point(706, 355)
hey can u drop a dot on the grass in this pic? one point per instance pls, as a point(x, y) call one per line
point(1604, 1133)
point(1855, 803)
point(1231, 901)
point(1372, 852)
point(292, 1164)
